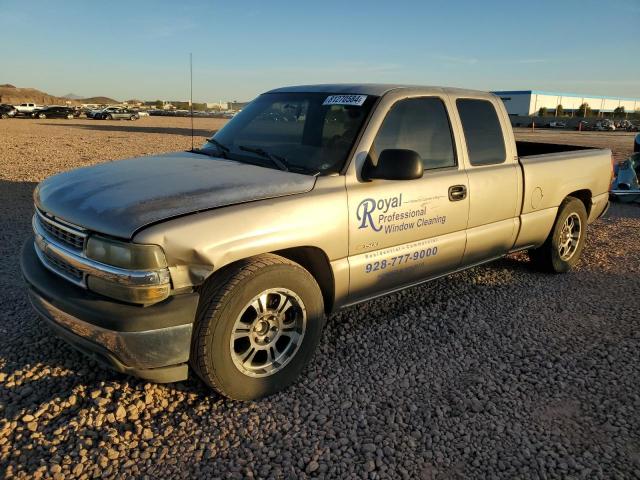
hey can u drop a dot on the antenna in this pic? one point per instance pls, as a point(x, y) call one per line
point(191, 96)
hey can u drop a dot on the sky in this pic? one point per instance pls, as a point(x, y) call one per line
point(140, 48)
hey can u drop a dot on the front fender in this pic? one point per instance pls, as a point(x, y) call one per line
point(199, 244)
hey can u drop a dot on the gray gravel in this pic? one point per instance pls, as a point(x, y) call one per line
point(497, 372)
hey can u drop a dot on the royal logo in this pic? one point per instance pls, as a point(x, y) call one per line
point(368, 207)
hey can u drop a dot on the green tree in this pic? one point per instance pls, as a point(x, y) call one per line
point(542, 112)
point(159, 104)
point(618, 111)
point(559, 111)
point(584, 110)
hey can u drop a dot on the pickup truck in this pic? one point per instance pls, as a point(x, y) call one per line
point(226, 259)
point(26, 108)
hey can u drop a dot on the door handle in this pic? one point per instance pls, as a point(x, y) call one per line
point(457, 193)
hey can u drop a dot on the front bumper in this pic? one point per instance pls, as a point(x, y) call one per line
point(148, 342)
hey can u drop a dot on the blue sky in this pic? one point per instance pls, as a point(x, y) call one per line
point(140, 48)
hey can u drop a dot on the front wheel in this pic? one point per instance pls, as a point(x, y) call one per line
point(42, 116)
point(4, 116)
point(258, 325)
point(563, 247)
point(70, 116)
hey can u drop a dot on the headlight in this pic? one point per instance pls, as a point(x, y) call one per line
point(125, 255)
point(147, 280)
point(144, 295)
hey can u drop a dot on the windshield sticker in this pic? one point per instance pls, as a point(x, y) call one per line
point(356, 100)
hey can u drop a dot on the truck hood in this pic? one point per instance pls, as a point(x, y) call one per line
point(119, 198)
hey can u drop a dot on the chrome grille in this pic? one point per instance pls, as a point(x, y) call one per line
point(62, 267)
point(66, 235)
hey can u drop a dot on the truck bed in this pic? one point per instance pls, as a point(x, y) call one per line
point(526, 149)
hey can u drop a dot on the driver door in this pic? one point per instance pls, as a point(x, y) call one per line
point(403, 232)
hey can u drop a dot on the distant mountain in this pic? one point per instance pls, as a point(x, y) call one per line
point(106, 100)
point(14, 95)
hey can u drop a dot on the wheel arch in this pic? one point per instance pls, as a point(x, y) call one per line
point(316, 262)
point(312, 259)
point(585, 197)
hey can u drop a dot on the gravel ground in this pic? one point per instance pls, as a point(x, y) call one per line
point(497, 372)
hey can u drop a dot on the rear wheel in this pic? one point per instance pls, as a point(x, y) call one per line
point(4, 116)
point(563, 247)
point(258, 325)
point(133, 117)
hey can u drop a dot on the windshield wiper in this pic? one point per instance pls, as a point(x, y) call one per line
point(223, 148)
point(277, 160)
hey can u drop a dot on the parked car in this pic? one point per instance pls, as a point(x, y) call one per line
point(583, 125)
point(627, 126)
point(97, 114)
point(7, 111)
point(26, 108)
point(227, 258)
point(118, 114)
point(605, 126)
point(54, 112)
point(625, 187)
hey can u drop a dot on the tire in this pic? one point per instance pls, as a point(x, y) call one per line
point(226, 305)
point(132, 118)
point(70, 117)
point(4, 116)
point(42, 116)
point(108, 117)
point(554, 255)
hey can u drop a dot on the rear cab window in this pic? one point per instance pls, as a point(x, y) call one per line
point(482, 131)
point(420, 124)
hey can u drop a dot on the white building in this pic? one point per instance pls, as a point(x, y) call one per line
point(529, 102)
point(218, 106)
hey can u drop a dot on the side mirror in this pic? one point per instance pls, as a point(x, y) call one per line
point(396, 164)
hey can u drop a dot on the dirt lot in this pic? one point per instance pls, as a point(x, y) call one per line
point(497, 372)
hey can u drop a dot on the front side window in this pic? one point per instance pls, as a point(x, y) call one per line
point(482, 131)
point(308, 132)
point(421, 125)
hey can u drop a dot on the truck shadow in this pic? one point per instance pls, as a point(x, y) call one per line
point(127, 127)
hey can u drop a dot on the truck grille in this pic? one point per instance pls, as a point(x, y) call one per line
point(62, 267)
point(62, 233)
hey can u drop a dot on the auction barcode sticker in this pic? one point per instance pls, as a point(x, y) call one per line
point(357, 100)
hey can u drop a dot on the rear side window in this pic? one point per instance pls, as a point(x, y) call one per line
point(421, 125)
point(482, 131)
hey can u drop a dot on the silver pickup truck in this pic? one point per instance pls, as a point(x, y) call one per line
point(313, 198)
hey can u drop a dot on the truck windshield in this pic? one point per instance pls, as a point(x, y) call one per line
point(307, 132)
